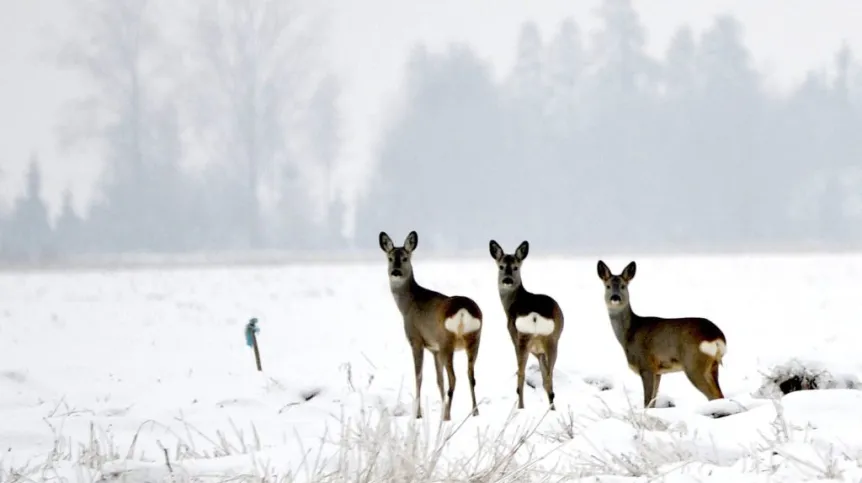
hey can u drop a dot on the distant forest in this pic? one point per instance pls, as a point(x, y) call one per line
point(587, 144)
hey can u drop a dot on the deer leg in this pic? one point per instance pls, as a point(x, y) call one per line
point(438, 365)
point(547, 381)
point(713, 379)
point(450, 371)
point(655, 388)
point(418, 358)
point(472, 353)
point(650, 385)
point(700, 375)
point(521, 352)
point(551, 354)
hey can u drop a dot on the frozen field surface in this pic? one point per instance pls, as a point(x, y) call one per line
point(144, 376)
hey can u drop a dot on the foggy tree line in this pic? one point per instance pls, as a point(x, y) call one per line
point(224, 137)
point(590, 144)
point(229, 139)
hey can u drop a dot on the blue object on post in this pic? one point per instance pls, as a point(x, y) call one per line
point(251, 329)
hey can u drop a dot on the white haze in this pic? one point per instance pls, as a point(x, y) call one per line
point(365, 48)
point(369, 44)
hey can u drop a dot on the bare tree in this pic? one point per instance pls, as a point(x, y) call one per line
point(252, 70)
point(110, 56)
point(124, 110)
point(323, 128)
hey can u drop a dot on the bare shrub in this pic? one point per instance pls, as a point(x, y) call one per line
point(795, 375)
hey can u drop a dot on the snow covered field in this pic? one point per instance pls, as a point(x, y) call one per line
point(144, 375)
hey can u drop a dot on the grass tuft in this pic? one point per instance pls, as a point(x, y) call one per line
point(795, 375)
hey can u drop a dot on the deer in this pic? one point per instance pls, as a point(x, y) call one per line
point(440, 323)
point(654, 346)
point(534, 321)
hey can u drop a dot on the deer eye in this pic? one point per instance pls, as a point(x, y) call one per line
point(502, 267)
point(514, 269)
point(608, 287)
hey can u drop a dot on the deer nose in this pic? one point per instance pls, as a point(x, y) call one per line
point(615, 298)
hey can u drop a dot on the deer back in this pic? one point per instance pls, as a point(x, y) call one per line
point(436, 317)
point(670, 342)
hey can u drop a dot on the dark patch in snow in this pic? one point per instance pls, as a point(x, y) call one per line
point(719, 414)
point(533, 376)
point(664, 401)
point(600, 383)
point(14, 376)
point(797, 382)
point(310, 394)
point(115, 412)
point(721, 408)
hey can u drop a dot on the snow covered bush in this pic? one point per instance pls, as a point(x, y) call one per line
point(796, 375)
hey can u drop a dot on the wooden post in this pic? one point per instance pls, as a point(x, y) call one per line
point(251, 330)
point(256, 352)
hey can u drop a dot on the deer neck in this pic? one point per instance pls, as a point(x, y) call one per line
point(405, 293)
point(509, 297)
point(622, 321)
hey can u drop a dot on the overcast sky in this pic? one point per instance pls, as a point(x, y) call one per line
point(368, 48)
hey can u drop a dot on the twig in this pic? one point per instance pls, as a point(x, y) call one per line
point(167, 459)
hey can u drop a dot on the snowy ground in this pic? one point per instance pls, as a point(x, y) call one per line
point(144, 375)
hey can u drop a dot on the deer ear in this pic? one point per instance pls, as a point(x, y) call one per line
point(603, 271)
point(385, 242)
point(496, 250)
point(629, 271)
point(522, 251)
point(411, 241)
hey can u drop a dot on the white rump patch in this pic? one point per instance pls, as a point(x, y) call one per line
point(462, 323)
point(534, 324)
point(715, 348)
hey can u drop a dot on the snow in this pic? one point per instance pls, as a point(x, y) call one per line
point(144, 375)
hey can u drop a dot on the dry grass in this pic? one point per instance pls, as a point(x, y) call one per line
point(381, 447)
point(373, 446)
point(377, 445)
point(94, 459)
point(656, 444)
